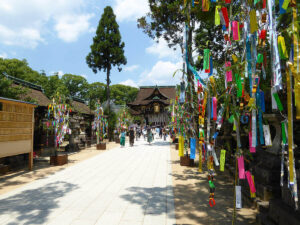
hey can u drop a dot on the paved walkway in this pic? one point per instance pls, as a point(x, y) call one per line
point(131, 185)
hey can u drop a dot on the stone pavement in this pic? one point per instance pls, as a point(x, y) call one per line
point(131, 185)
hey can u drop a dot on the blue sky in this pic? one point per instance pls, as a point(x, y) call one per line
point(55, 36)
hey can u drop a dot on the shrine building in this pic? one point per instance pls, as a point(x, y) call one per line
point(152, 104)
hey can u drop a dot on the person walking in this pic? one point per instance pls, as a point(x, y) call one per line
point(122, 138)
point(131, 136)
point(149, 135)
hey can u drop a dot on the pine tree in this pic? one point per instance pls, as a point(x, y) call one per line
point(107, 49)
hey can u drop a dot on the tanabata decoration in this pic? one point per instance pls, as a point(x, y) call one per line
point(58, 118)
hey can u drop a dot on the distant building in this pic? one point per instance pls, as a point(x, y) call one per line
point(152, 104)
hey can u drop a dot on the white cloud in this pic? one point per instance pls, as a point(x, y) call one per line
point(162, 50)
point(130, 10)
point(131, 68)
point(69, 27)
point(129, 82)
point(28, 23)
point(162, 74)
point(3, 55)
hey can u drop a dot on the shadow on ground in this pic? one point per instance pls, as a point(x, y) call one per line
point(34, 206)
point(191, 196)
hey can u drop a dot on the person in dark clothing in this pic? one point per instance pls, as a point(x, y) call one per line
point(131, 136)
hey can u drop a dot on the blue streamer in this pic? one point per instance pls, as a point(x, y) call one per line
point(261, 131)
point(262, 101)
point(196, 74)
point(215, 135)
point(211, 67)
point(281, 10)
point(193, 148)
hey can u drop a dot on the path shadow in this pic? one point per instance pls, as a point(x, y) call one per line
point(151, 200)
point(34, 206)
point(191, 196)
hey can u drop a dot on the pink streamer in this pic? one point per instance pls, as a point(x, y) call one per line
point(235, 30)
point(228, 73)
point(241, 167)
point(215, 105)
point(250, 182)
point(251, 148)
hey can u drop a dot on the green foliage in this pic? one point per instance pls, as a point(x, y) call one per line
point(77, 85)
point(107, 49)
point(9, 91)
point(96, 91)
point(123, 94)
point(112, 121)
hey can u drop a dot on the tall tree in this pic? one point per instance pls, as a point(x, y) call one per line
point(77, 85)
point(107, 49)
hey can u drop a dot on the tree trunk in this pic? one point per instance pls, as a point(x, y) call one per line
point(108, 97)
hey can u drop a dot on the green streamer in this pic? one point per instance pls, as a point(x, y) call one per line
point(278, 102)
point(283, 132)
point(239, 85)
point(260, 58)
point(206, 59)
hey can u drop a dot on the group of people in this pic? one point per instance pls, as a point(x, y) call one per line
point(147, 133)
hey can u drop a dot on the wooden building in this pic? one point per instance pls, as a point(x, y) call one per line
point(152, 104)
point(16, 128)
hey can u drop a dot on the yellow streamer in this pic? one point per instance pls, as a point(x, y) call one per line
point(290, 121)
point(217, 15)
point(252, 194)
point(282, 48)
point(200, 158)
point(180, 145)
point(222, 159)
point(253, 21)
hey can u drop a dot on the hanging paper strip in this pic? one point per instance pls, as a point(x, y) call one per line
point(290, 124)
point(200, 157)
point(206, 60)
point(215, 106)
point(282, 165)
point(239, 85)
point(251, 148)
point(225, 16)
point(253, 130)
point(262, 101)
point(193, 148)
point(211, 68)
point(235, 30)
point(222, 159)
point(205, 5)
point(241, 167)
point(281, 48)
point(283, 132)
point(261, 131)
point(278, 102)
point(227, 1)
point(252, 194)
point(268, 140)
point(217, 15)
point(196, 74)
point(238, 197)
point(263, 34)
point(250, 182)
point(264, 4)
point(215, 156)
point(228, 73)
point(180, 145)
point(253, 21)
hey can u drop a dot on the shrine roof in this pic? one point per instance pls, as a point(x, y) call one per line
point(145, 92)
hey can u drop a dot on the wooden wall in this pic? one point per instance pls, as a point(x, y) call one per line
point(16, 128)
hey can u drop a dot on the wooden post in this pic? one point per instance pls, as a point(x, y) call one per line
point(30, 158)
point(30, 161)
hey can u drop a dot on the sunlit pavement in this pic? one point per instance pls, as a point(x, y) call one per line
point(130, 185)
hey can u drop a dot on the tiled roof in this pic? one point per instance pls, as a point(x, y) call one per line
point(146, 91)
